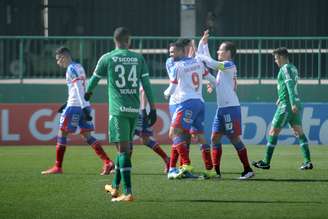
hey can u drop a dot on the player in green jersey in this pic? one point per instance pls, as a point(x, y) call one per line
point(288, 111)
point(125, 71)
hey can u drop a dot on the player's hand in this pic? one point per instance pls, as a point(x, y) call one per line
point(166, 97)
point(209, 88)
point(167, 93)
point(192, 49)
point(152, 117)
point(61, 109)
point(87, 96)
point(294, 109)
point(205, 36)
point(87, 114)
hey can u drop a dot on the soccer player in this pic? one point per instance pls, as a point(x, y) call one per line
point(75, 113)
point(145, 132)
point(288, 111)
point(227, 120)
point(124, 70)
point(186, 84)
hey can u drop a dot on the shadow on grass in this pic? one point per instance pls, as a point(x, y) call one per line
point(235, 201)
point(290, 180)
point(148, 174)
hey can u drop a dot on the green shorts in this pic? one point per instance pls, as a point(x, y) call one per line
point(121, 128)
point(285, 115)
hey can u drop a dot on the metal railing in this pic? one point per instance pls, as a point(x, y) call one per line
point(23, 57)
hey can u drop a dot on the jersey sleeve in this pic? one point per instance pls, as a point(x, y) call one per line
point(290, 84)
point(144, 77)
point(224, 66)
point(203, 49)
point(101, 67)
point(171, 70)
point(99, 72)
point(72, 74)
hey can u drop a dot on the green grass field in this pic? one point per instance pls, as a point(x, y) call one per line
point(281, 192)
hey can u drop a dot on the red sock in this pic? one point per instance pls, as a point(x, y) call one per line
point(60, 151)
point(183, 153)
point(216, 156)
point(100, 152)
point(242, 154)
point(174, 157)
point(160, 152)
point(180, 161)
point(206, 155)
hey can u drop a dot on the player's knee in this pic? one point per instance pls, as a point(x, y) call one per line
point(176, 132)
point(62, 133)
point(274, 131)
point(145, 140)
point(90, 139)
point(201, 139)
point(179, 139)
point(215, 138)
point(85, 135)
point(61, 140)
point(298, 131)
point(171, 133)
point(238, 145)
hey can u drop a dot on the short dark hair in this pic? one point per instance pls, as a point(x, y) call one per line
point(179, 45)
point(122, 34)
point(281, 51)
point(183, 41)
point(230, 46)
point(63, 51)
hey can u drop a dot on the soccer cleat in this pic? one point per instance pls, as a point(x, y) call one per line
point(248, 173)
point(111, 190)
point(186, 168)
point(107, 168)
point(306, 166)
point(212, 174)
point(53, 170)
point(185, 171)
point(189, 175)
point(123, 198)
point(174, 173)
point(261, 164)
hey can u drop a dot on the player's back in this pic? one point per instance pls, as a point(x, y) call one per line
point(189, 75)
point(75, 74)
point(125, 68)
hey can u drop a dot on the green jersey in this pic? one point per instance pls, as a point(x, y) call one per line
point(125, 70)
point(287, 85)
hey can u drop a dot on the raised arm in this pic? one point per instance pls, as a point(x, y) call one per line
point(203, 45)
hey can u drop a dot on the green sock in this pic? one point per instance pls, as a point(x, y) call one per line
point(272, 142)
point(305, 148)
point(117, 176)
point(125, 167)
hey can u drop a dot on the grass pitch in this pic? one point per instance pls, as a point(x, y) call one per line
point(281, 192)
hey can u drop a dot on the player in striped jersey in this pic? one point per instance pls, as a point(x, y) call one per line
point(227, 120)
point(186, 76)
point(75, 113)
